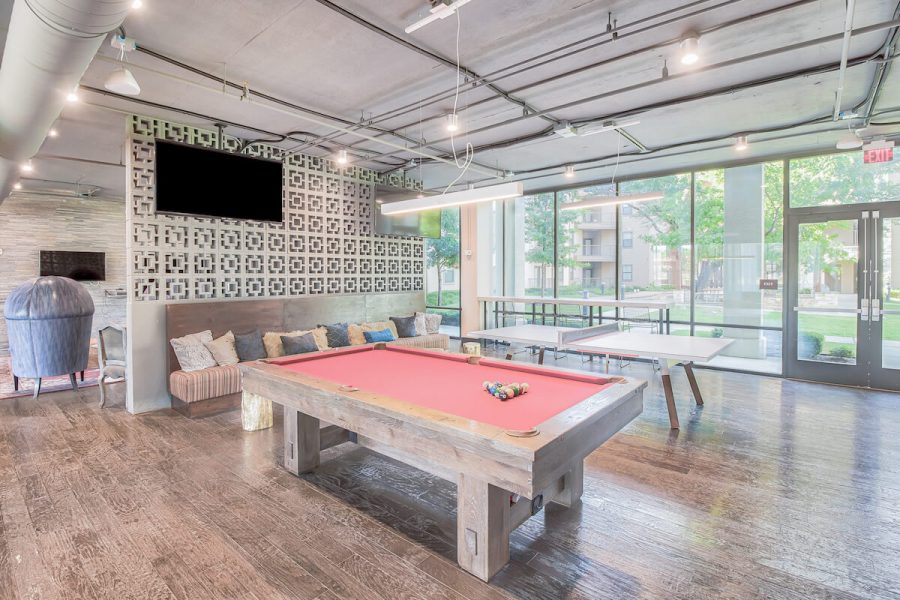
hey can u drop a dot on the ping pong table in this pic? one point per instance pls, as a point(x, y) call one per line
point(606, 340)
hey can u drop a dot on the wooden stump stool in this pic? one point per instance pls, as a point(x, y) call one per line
point(256, 412)
point(472, 348)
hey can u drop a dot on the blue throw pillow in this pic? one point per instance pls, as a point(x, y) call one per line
point(406, 326)
point(299, 344)
point(384, 335)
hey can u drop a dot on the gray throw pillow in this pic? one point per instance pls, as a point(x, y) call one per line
point(337, 335)
point(299, 344)
point(250, 346)
point(406, 326)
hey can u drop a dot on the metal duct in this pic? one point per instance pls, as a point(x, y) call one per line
point(48, 48)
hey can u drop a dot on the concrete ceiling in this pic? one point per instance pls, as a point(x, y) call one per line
point(311, 55)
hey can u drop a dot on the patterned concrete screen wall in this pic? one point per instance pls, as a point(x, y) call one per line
point(326, 244)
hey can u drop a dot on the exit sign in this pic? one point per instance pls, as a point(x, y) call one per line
point(878, 155)
point(878, 152)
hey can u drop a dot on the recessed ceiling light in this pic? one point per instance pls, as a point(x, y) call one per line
point(52, 133)
point(452, 122)
point(136, 4)
point(741, 143)
point(17, 186)
point(342, 158)
point(690, 49)
point(72, 96)
point(27, 167)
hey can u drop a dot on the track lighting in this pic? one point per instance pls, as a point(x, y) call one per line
point(72, 96)
point(741, 143)
point(342, 158)
point(27, 167)
point(690, 49)
point(569, 172)
point(452, 122)
point(52, 133)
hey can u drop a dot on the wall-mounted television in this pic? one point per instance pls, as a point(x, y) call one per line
point(80, 266)
point(191, 180)
point(426, 224)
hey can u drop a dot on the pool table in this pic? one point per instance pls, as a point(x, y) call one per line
point(428, 409)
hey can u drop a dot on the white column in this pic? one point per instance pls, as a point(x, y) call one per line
point(744, 255)
point(470, 319)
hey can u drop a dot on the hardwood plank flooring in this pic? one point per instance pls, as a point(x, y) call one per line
point(773, 489)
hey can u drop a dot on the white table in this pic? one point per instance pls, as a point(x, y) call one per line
point(666, 350)
point(662, 307)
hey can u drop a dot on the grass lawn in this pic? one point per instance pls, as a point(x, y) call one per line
point(448, 298)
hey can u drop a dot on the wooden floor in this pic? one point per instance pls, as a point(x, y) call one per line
point(774, 489)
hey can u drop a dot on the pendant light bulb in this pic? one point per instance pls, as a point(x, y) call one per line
point(690, 49)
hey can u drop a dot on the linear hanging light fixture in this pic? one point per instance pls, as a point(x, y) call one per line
point(611, 200)
point(472, 196)
point(440, 10)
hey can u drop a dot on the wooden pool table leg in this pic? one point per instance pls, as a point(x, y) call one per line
point(670, 395)
point(689, 370)
point(573, 486)
point(301, 441)
point(482, 527)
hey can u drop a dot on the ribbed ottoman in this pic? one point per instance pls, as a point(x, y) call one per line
point(48, 320)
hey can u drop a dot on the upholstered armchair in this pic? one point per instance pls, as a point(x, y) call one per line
point(48, 320)
point(111, 355)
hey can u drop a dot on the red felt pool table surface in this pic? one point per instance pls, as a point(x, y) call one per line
point(449, 383)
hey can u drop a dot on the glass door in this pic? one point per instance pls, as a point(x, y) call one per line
point(844, 322)
point(885, 311)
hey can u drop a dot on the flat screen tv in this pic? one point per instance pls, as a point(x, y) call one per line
point(212, 183)
point(80, 266)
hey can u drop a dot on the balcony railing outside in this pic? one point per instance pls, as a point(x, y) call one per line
point(597, 252)
point(593, 220)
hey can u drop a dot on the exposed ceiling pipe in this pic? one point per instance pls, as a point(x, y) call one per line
point(881, 72)
point(567, 51)
point(433, 56)
point(49, 46)
point(845, 53)
point(686, 74)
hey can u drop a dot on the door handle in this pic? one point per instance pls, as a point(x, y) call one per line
point(865, 309)
point(876, 309)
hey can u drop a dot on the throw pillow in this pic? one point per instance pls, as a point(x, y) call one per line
point(249, 346)
point(274, 347)
point(299, 344)
point(432, 322)
point(384, 335)
point(379, 325)
point(356, 334)
point(192, 355)
point(406, 326)
point(420, 324)
point(223, 350)
point(337, 335)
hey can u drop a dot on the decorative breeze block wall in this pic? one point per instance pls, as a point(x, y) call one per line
point(325, 245)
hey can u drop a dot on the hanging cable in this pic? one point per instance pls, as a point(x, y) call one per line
point(470, 150)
